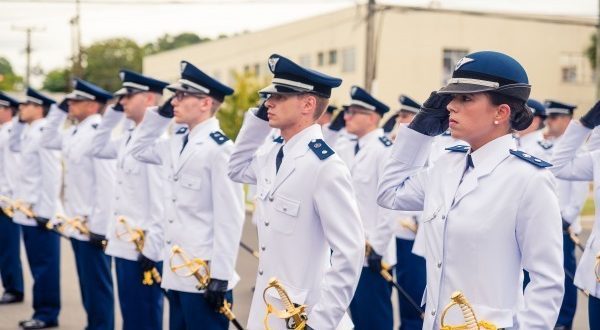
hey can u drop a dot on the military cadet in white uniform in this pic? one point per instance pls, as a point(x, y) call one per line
point(571, 196)
point(139, 199)
point(38, 189)
point(309, 229)
point(205, 212)
point(488, 210)
point(570, 163)
point(371, 307)
point(10, 232)
point(88, 187)
point(403, 116)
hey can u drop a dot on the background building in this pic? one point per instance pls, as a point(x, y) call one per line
point(416, 50)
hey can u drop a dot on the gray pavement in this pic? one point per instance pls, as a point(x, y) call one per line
point(72, 315)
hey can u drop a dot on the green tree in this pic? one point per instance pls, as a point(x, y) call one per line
point(57, 81)
point(168, 42)
point(591, 51)
point(232, 111)
point(103, 59)
point(8, 79)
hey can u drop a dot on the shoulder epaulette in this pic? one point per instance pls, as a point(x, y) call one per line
point(321, 149)
point(278, 139)
point(219, 137)
point(531, 159)
point(94, 126)
point(386, 142)
point(458, 148)
point(545, 144)
point(181, 130)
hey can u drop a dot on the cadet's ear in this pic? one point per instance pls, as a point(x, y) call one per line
point(309, 104)
point(502, 113)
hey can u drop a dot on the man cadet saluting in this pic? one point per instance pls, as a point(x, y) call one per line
point(205, 211)
point(309, 230)
point(138, 200)
point(38, 190)
point(371, 307)
point(88, 186)
point(10, 232)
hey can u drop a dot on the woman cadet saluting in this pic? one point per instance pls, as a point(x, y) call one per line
point(489, 211)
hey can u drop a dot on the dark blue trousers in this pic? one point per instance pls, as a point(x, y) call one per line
point(10, 255)
point(43, 254)
point(189, 311)
point(411, 276)
point(95, 282)
point(569, 303)
point(594, 313)
point(141, 305)
point(371, 306)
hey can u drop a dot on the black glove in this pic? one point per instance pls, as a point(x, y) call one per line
point(117, 106)
point(261, 110)
point(145, 263)
point(592, 118)
point(390, 124)
point(433, 119)
point(42, 223)
point(374, 261)
point(166, 110)
point(64, 105)
point(338, 122)
point(308, 327)
point(215, 293)
point(97, 240)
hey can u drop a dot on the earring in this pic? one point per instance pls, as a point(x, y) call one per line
point(495, 122)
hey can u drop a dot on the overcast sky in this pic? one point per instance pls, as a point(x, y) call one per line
point(144, 21)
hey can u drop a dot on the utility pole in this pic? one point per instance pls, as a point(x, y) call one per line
point(28, 30)
point(598, 54)
point(76, 56)
point(370, 47)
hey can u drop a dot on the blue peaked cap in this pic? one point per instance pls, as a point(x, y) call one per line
point(553, 107)
point(537, 108)
point(33, 96)
point(362, 98)
point(193, 80)
point(289, 77)
point(7, 101)
point(408, 104)
point(135, 82)
point(489, 71)
point(84, 90)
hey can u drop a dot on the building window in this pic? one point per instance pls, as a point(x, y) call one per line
point(257, 69)
point(320, 59)
point(246, 68)
point(332, 57)
point(348, 59)
point(304, 60)
point(451, 57)
point(569, 74)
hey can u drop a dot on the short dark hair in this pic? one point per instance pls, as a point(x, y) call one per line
point(520, 115)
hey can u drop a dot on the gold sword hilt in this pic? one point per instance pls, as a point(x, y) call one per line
point(7, 206)
point(59, 226)
point(471, 323)
point(413, 227)
point(196, 267)
point(79, 224)
point(294, 316)
point(136, 236)
point(597, 268)
point(25, 209)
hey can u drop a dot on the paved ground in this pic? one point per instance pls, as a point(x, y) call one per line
point(72, 316)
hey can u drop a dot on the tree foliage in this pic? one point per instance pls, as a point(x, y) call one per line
point(232, 111)
point(9, 80)
point(169, 42)
point(590, 51)
point(104, 59)
point(57, 81)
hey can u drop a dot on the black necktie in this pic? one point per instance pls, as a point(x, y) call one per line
point(278, 159)
point(128, 139)
point(185, 141)
point(356, 148)
point(470, 162)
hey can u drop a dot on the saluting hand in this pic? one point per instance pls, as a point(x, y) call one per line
point(433, 119)
point(261, 110)
point(338, 122)
point(592, 118)
point(64, 105)
point(166, 110)
point(118, 106)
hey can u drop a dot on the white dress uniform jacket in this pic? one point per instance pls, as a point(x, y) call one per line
point(88, 181)
point(205, 210)
point(138, 194)
point(571, 194)
point(10, 162)
point(309, 229)
point(366, 167)
point(480, 233)
point(569, 165)
point(39, 175)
